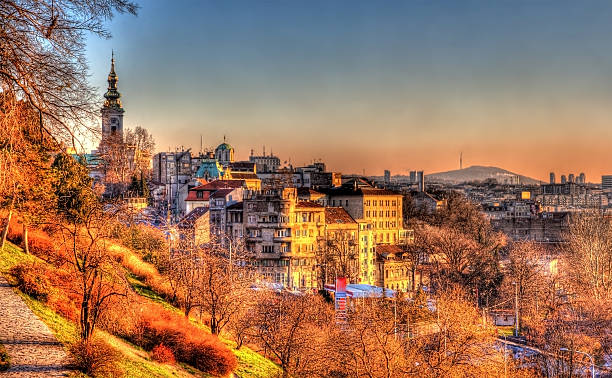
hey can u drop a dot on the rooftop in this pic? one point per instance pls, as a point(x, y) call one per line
point(308, 204)
point(189, 219)
point(337, 215)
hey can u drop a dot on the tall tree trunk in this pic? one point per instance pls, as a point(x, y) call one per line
point(26, 246)
point(6, 227)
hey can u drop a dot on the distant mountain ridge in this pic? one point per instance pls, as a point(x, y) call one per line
point(479, 173)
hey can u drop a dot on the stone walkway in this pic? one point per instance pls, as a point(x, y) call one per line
point(32, 348)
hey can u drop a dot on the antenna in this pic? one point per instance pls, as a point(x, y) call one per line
point(201, 144)
point(264, 150)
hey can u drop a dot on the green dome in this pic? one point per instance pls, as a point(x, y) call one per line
point(224, 146)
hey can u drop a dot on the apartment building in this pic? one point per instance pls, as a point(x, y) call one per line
point(382, 208)
point(283, 234)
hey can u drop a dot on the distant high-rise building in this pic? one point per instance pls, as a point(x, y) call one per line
point(421, 181)
point(552, 177)
point(582, 178)
point(387, 177)
point(571, 178)
point(412, 177)
point(606, 182)
point(563, 179)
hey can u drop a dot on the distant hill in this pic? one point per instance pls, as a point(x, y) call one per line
point(478, 173)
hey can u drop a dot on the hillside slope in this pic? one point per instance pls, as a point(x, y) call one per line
point(479, 173)
point(134, 362)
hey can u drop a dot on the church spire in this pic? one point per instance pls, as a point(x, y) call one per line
point(112, 96)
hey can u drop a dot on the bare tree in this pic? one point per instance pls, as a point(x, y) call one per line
point(588, 255)
point(185, 274)
point(226, 283)
point(526, 269)
point(99, 276)
point(290, 328)
point(42, 47)
point(338, 256)
point(142, 144)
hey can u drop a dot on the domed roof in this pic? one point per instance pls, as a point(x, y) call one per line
point(224, 146)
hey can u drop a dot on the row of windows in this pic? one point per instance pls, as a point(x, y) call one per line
point(387, 224)
point(303, 217)
point(380, 203)
point(381, 213)
point(280, 263)
point(387, 238)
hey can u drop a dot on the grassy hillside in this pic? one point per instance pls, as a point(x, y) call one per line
point(135, 362)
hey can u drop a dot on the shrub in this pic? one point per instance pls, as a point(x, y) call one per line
point(32, 280)
point(163, 354)
point(15, 232)
point(187, 342)
point(95, 358)
point(120, 316)
point(41, 245)
point(5, 361)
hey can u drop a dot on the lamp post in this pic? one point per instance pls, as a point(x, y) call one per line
point(516, 310)
point(586, 354)
point(229, 241)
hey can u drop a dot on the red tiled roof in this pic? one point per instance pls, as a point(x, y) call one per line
point(222, 193)
point(386, 251)
point(193, 195)
point(337, 215)
point(189, 219)
point(221, 184)
point(378, 192)
point(388, 248)
point(302, 204)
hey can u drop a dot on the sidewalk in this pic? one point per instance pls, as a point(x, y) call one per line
point(33, 350)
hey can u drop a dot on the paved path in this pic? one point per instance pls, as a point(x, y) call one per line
point(33, 349)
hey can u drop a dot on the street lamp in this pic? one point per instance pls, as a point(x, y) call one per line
point(229, 241)
point(586, 354)
point(516, 310)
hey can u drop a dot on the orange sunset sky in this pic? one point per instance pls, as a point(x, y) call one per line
point(522, 85)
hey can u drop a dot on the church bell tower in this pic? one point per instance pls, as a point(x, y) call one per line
point(112, 111)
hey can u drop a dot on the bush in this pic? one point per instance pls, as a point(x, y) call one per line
point(95, 358)
point(148, 241)
point(32, 280)
point(41, 245)
point(163, 354)
point(187, 342)
point(5, 361)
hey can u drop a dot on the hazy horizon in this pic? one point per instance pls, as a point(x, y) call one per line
point(521, 85)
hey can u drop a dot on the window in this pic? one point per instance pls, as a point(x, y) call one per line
point(200, 194)
point(346, 203)
point(268, 249)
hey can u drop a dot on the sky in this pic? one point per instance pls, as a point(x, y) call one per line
point(372, 85)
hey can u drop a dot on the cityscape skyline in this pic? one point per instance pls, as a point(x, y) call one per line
point(402, 87)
